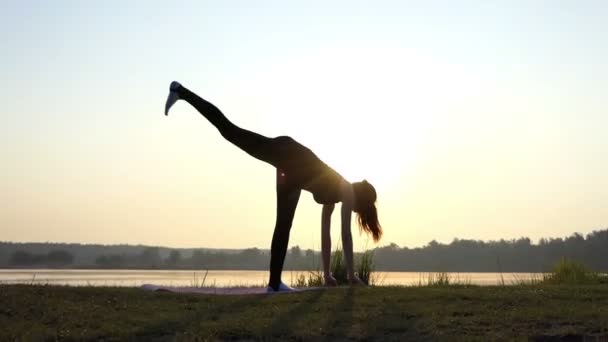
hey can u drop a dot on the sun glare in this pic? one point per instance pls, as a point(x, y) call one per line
point(365, 110)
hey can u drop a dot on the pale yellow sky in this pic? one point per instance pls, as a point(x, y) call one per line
point(471, 129)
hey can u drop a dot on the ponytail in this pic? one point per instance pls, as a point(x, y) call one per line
point(367, 218)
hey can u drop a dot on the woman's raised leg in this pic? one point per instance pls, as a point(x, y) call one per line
point(254, 144)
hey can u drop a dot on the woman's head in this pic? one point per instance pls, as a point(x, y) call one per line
point(365, 207)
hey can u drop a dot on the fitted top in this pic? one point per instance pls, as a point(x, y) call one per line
point(301, 168)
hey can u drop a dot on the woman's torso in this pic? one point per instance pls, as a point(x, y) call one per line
point(303, 169)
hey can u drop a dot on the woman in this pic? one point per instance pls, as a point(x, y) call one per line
point(298, 168)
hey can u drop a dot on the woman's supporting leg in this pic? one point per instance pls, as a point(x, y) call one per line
point(273, 151)
point(254, 144)
point(287, 201)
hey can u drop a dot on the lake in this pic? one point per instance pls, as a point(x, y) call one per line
point(222, 278)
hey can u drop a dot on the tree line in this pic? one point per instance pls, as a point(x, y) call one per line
point(54, 258)
point(461, 255)
point(517, 255)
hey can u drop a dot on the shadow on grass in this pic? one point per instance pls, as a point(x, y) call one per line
point(401, 319)
point(193, 315)
point(340, 323)
point(287, 322)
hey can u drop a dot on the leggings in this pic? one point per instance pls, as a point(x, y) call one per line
point(270, 150)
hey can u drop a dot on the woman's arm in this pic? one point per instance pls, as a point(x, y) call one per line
point(347, 238)
point(326, 243)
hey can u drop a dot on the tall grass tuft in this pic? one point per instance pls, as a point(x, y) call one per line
point(312, 278)
point(300, 281)
point(440, 279)
point(502, 278)
point(364, 267)
point(338, 267)
point(571, 272)
point(195, 282)
point(309, 279)
point(435, 279)
point(532, 281)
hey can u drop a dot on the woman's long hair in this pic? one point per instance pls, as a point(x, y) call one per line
point(365, 207)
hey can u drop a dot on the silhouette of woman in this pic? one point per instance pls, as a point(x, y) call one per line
point(298, 168)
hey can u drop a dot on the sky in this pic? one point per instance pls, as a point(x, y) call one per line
point(473, 119)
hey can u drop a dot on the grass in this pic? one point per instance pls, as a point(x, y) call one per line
point(542, 312)
point(531, 281)
point(571, 272)
point(197, 282)
point(364, 268)
point(310, 279)
point(564, 272)
point(436, 279)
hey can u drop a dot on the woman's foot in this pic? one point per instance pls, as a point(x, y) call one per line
point(330, 280)
point(173, 96)
point(282, 288)
point(355, 280)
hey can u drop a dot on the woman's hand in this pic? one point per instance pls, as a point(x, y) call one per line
point(330, 280)
point(354, 280)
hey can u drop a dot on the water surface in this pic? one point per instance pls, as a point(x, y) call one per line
point(225, 278)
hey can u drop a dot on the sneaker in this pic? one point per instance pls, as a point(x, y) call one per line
point(173, 96)
point(282, 288)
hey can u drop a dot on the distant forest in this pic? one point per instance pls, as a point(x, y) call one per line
point(517, 255)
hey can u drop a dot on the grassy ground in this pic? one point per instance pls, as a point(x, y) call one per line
point(379, 313)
